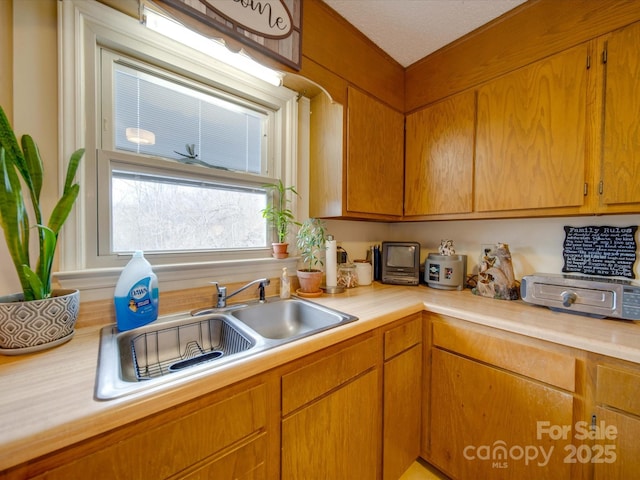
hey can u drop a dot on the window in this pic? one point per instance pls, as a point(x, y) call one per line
point(184, 123)
point(176, 214)
point(178, 146)
point(192, 135)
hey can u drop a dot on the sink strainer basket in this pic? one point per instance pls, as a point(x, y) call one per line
point(172, 349)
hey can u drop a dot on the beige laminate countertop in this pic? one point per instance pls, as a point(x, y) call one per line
point(47, 399)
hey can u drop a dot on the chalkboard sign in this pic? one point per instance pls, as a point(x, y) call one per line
point(604, 251)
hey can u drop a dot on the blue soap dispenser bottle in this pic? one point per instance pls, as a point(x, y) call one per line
point(136, 294)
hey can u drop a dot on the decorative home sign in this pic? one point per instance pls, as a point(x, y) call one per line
point(272, 26)
point(604, 251)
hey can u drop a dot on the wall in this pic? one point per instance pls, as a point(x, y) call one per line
point(31, 94)
point(531, 31)
point(536, 244)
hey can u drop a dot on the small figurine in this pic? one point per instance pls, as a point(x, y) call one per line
point(446, 248)
point(495, 274)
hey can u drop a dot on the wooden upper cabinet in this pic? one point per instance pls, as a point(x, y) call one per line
point(439, 157)
point(375, 157)
point(621, 127)
point(356, 158)
point(530, 150)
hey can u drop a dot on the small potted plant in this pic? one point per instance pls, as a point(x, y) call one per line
point(278, 214)
point(39, 317)
point(311, 242)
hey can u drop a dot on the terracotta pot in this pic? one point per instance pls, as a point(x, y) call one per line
point(280, 250)
point(27, 327)
point(310, 281)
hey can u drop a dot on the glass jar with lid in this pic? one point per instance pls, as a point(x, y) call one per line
point(347, 275)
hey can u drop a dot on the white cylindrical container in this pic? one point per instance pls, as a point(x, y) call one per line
point(331, 262)
point(364, 272)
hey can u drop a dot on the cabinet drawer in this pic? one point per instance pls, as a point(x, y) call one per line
point(548, 366)
point(311, 381)
point(403, 337)
point(145, 451)
point(618, 388)
point(243, 463)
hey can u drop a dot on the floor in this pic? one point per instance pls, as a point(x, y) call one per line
point(421, 470)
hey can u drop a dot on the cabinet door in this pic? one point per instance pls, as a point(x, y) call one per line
point(335, 437)
point(375, 156)
point(616, 456)
point(483, 419)
point(530, 151)
point(439, 158)
point(402, 407)
point(621, 134)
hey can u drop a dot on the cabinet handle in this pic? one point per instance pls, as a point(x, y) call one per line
point(600, 187)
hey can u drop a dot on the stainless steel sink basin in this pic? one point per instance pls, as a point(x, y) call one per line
point(157, 352)
point(289, 319)
point(168, 349)
point(182, 345)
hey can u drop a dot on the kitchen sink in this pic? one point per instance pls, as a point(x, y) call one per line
point(289, 319)
point(175, 346)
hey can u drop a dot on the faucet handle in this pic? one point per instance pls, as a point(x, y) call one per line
point(221, 295)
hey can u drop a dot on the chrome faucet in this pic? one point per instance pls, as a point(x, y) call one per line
point(222, 291)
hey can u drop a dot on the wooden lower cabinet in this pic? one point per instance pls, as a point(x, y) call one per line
point(336, 437)
point(402, 397)
point(225, 431)
point(496, 405)
point(616, 454)
point(331, 415)
point(484, 422)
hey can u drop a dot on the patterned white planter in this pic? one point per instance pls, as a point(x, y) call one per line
point(27, 327)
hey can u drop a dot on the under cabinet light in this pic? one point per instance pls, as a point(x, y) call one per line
point(212, 47)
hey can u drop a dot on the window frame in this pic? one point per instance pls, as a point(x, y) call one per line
point(84, 28)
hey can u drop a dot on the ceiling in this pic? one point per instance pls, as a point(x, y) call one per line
point(409, 30)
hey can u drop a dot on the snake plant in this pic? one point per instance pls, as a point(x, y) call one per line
point(23, 162)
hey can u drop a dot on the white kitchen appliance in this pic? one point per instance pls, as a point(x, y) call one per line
point(446, 272)
point(586, 295)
